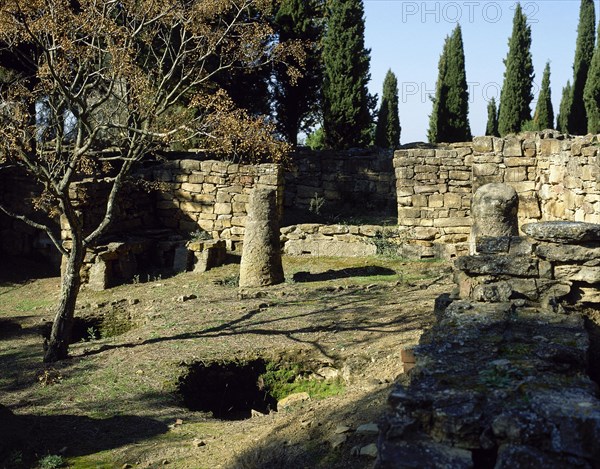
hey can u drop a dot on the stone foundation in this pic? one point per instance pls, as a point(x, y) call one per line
point(501, 379)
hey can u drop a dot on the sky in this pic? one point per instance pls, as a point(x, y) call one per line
point(407, 37)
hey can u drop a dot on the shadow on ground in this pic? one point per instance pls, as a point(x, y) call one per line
point(34, 436)
point(368, 271)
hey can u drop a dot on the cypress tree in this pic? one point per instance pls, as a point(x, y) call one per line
point(346, 101)
point(449, 120)
point(586, 36)
point(544, 113)
point(387, 132)
point(492, 121)
point(516, 95)
point(563, 111)
point(592, 92)
point(297, 103)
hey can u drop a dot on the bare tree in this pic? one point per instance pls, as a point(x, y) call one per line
point(133, 74)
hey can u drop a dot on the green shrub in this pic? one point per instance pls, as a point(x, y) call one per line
point(51, 461)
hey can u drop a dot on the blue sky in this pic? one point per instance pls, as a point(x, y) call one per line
point(407, 37)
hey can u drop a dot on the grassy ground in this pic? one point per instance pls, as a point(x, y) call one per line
point(116, 402)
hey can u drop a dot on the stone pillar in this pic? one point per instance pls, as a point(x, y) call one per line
point(493, 213)
point(261, 255)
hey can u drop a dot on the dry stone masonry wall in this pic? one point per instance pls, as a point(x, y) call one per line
point(556, 178)
point(211, 195)
point(347, 181)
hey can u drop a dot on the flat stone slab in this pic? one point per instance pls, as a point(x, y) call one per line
point(563, 231)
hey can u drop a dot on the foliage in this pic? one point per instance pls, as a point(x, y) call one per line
point(316, 139)
point(586, 36)
point(516, 94)
point(297, 102)
point(281, 381)
point(387, 132)
point(491, 127)
point(449, 120)
point(120, 69)
point(563, 111)
point(346, 101)
point(543, 117)
point(592, 93)
point(316, 204)
point(387, 242)
point(52, 461)
point(200, 235)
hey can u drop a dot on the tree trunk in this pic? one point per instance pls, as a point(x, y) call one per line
point(57, 347)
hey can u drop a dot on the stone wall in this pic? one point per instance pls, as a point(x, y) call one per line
point(556, 178)
point(347, 181)
point(211, 195)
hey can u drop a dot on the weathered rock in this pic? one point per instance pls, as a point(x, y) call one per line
point(563, 232)
point(494, 212)
point(514, 456)
point(498, 265)
point(292, 400)
point(261, 256)
point(425, 454)
point(567, 252)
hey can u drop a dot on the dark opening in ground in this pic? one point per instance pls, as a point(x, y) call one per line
point(229, 390)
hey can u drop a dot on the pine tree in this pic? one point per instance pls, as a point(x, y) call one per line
point(591, 93)
point(563, 111)
point(516, 94)
point(492, 121)
point(449, 120)
point(297, 103)
point(586, 36)
point(346, 101)
point(544, 113)
point(387, 132)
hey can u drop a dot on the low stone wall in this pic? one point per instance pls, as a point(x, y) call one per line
point(556, 178)
point(332, 240)
point(355, 181)
point(211, 195)
point(362, 240)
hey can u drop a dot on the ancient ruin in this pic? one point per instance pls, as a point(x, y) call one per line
point(261, 257)
point(501, 380)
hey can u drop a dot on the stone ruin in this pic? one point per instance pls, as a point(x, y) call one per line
point(261, 256)
point(502, 380)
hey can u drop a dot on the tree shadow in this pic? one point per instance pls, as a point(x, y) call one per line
point(368, 271)
point(327, 320)
point(72, 435)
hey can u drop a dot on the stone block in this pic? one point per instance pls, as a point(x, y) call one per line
point(575, 273)
point(459, 175)
point(489, 264)
point(193, 188)
point(189, 165)
point(223, 208)
point(513, 147)
point(516, 174)
point(452, 200)
point(485, 169)
point(483, 144)
point(436, 200)
point(550, 146)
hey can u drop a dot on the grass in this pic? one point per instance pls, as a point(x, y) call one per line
point(282, 380)
point(134, 373)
